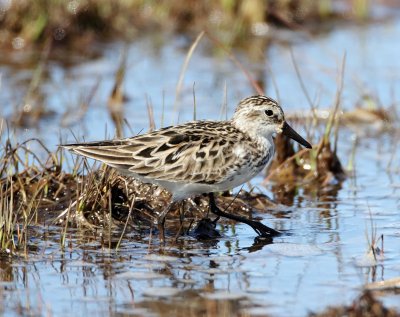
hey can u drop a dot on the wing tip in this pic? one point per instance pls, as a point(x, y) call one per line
point(72, 146)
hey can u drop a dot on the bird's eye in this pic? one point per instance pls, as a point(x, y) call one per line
point(269, 112)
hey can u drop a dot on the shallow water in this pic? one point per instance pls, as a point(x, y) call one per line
point(321, 259)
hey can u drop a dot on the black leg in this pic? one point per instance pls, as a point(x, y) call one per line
point(261, 229)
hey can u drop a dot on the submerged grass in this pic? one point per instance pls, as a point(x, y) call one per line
point(25, 183)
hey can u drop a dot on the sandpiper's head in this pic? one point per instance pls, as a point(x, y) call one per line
point(262, 115)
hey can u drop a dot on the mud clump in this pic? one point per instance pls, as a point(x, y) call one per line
point(364, 306)
point(315, 170)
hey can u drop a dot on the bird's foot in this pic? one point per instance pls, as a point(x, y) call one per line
point(261, 229)
point(205, 229)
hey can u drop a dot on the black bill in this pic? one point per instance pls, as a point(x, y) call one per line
point(289, 132)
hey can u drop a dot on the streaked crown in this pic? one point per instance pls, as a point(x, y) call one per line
point(259, 115)
point(256, 101)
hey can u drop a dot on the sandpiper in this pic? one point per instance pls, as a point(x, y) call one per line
point(201, 156)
